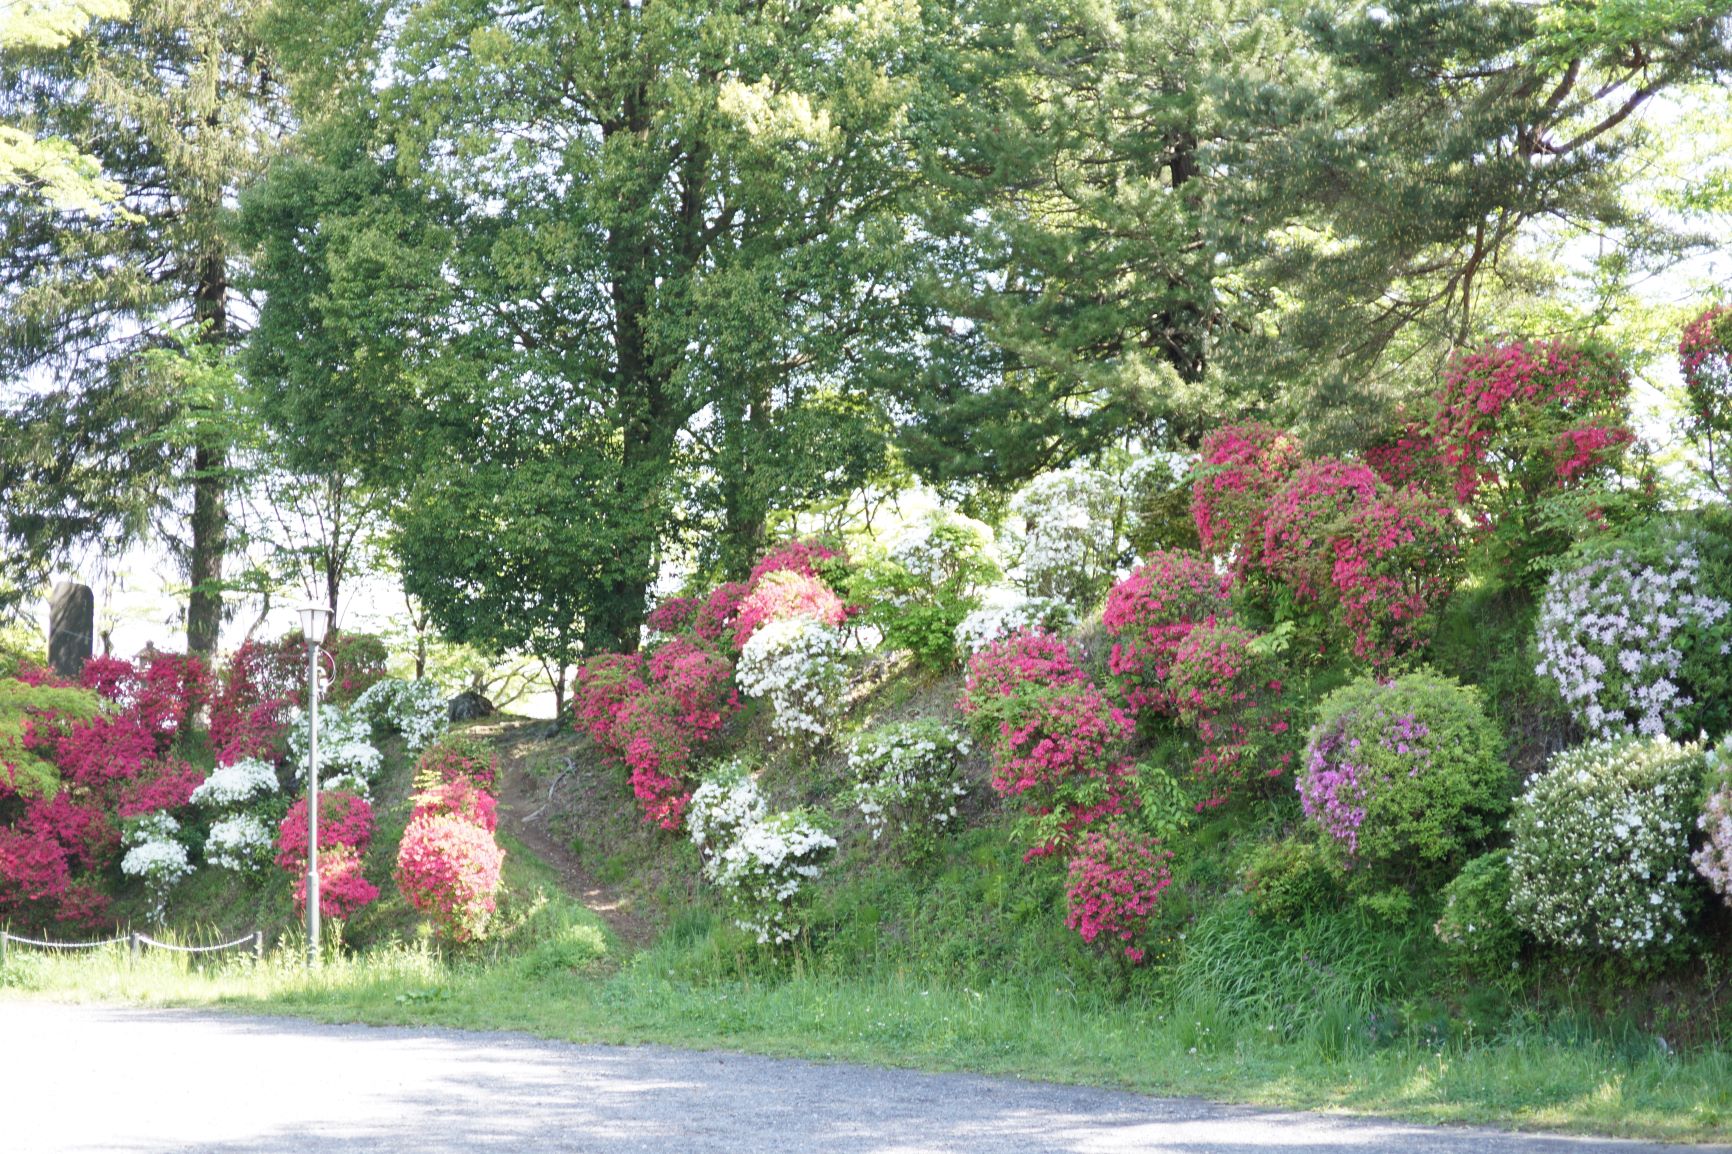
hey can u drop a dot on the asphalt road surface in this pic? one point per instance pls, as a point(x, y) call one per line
point(113, 1080)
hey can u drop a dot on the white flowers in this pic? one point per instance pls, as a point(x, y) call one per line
point(1069, 542)
point(761, 861)
point(1600, 854)
point(346, 752)
point(415, 709)
point(239, 842)
point(1616, 631)
point(908, 775)
point(797, 663)
point(157, 856)
point(236, 784)
point(1004, 611)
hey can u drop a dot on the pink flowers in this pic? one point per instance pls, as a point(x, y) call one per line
point(345, 831)
point(782, 594)
point(1242, 466)
point(1150, 613)
point(449, 862)
point(1115, 882)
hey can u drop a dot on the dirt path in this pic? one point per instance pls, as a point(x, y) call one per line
point(529, 801)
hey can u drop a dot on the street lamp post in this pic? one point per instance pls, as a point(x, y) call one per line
point(314, 620)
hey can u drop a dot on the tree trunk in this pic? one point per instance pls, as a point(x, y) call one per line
point(210, 518)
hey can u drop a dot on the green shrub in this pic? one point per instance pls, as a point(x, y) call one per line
point(1476, 927)
point(1288, 878)
point(929, 581)
point(20, 645)
point(1600, 856)
point(1404, 777)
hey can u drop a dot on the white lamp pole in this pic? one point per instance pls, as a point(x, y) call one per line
point(314, 620)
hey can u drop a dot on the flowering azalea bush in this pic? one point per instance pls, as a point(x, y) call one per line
point(698, 683)
point(449, 861)
point(236, 784)
point(415, 709)
point(603, 684)
point(656, 747)
point(1006, 671)
point(797, 663)
point(345, 831)
point(716, 618)
point(1600, 851)
point(724, 804)
point(802, 558)
point(1150, 613)
point(156, 855)
point(1225, 682)
point(786, 595)
point(1240, 469)
point(452, 757)
point(347, 757)
point(767, 868)
point(241, 842)
point(164, 693)
point(1705, 356)
point(248, 708)
point(673, 615)
point(1405, 776)
point(1634, 634)
point(1714, 859)
point(1068, 543)
point(908, 777)
point(1115, 880)
point(1002, 611)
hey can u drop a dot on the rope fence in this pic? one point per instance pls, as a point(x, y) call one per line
point(135, 943)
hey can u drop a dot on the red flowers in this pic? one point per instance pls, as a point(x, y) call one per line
point(345, 831)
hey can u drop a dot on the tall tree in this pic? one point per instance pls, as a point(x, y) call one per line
point(53, 170)
point(606, 255)
point(176, 104)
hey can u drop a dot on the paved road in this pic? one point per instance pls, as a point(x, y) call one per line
point(108, 1079)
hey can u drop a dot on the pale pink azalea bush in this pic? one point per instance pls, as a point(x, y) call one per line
point(1714, 859)
point(449, 861)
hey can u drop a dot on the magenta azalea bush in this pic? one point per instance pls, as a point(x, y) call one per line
point(1150, 613)
point(1115, 880)
point(449, 861)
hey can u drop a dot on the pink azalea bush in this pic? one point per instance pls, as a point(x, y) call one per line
point(345, 832)
point(1115, 881)
point(1239, 471)
point(1227, 687)
point(449, 862)
point(783, 594)
point(1150, 613)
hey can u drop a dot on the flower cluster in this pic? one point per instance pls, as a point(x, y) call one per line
point(449, 861)
point(1635, 639)
point(345, 831)
point(762, 861)
point(415, 709)
point(1115, 881)
point(908, 776)
point(804, 558)
point(240, 842)
point(1404, 776)
point(1002, 611)
point(786, 595)
point(156, 855)
point(1068, 544)
point(1150, 613)
point(1057, 744)
point(164, 693)
point(673, 615)
point(1225, 683)
point(1705, 356)
point(247, 709)
point(236, 784)
point(1714, 859)
point(1238, 473)
point(453, 757)
point(1600, 853)
point(797, 663)
point(347, 756)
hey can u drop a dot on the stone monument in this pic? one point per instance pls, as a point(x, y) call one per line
point(71, 628)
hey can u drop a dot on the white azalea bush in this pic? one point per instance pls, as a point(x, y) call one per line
point(1714, 860)
point(725, 802)
point(156, 855)
point(243, 842)
point(1636, 637)
point(247, 780)
point(347, 756)
point(415, 709)
point(1004, 610)
point(763, 861)
point(908, 777)
point(1600, 856)
point(928, 580)
point(766, 869)
point(1069, 538)
point(796, 662)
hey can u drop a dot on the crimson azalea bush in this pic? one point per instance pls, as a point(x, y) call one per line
point(449, 861)
point(804, 558)
point(1238, 473)
point(345, 831)
point(1057, 744)
point(1404, 777)
point(1115, 880)
point(248, 708)
point(1150, 613)
point(1226, 684)
point(603, 684)
point(715, 619)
